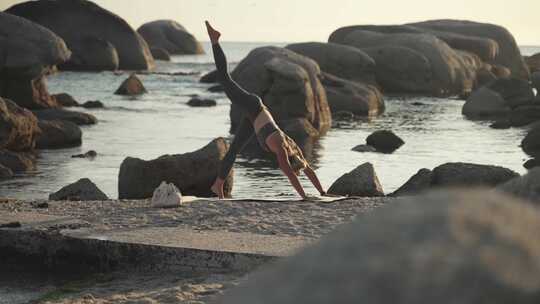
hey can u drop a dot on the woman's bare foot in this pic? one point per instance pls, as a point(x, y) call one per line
point(212, 33)
point(217, 188)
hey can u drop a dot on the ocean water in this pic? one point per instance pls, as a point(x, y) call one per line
point(160, 123)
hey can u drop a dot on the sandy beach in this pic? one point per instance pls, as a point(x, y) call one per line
point(303, 219)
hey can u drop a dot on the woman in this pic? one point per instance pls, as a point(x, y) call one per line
point(259, 122)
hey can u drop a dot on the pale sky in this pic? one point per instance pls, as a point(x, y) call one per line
point(314, 20)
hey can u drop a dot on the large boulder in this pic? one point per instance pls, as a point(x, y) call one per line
point(65, 100)
point(535, 81)
point(525, 187)
point(470, 175)
point(18, 162)
point(78, 118)
point(82, 190)
point(193, 173)
point(29, 52)
point(484, 103)
point(515, 92)
point(169, 35)
point(411, 61)
point(131, 86)
point(531, 143)
point(362, 181)
point(5, 172)
point(91, 32)
point(160, 54)
point(384, 141)
point(58, 134)
point(18, 127)
point(505, 52)
point(418, 183)
point(288, 84)
point(92, 53)
point(340, 60)
point(354, 97)
point(464, 247)
point(533, 62)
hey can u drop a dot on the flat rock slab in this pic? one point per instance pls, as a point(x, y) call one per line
point(274, 246)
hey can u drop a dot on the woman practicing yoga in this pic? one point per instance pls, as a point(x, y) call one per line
point(257, 121)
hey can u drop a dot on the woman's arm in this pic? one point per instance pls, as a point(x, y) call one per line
point(314, 179)
point(285, 166)
point(243, 135)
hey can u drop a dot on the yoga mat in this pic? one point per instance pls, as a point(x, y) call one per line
point(312, 199)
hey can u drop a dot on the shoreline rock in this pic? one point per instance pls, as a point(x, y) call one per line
point(361, 181)
point(82, 190)
point(193, 173)
point(93, 47)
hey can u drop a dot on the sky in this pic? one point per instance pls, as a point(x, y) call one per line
point(314, 20)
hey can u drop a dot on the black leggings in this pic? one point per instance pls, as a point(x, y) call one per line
point(250, 103)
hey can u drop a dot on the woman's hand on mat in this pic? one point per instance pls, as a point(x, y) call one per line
point(217, 188)
point(212, 33)
point(322, 193)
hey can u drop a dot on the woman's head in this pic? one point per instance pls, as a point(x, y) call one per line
point(295, 155)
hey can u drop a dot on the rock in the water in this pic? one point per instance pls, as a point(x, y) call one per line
point(524, 115)
point(29, 53)
point(131, 86)
point(531, 143)
point(535, 81)
point(384, 141)
point(470, 175)
point(492, 43)
point(288, 84)
point(82, 190)
point(533, 62)
point(299, 128)
point(356, 97)
point(92, 53)
point(484, 76)
point(515, 92)
point(501, 124)
point(198, 102)
point(193, 173)
point(166, 195)
point(418, 183)
point(170, 36)
point(18, 127)
point(343, 116)
point(210, 77)
point(485, 102)
point(364, 148)
point(93, 104)
point(531, 163)
point(216, 88)
point(160, 54)
point(18, 162)
point(409, 60)
point(65, 100)
point(340, 60)
point(78, 118)
point(58, 134)
point(525, 187)
point(90, 154)
point(93, 34)
point(481, 239)
point(361, 181)
point(5, 172)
